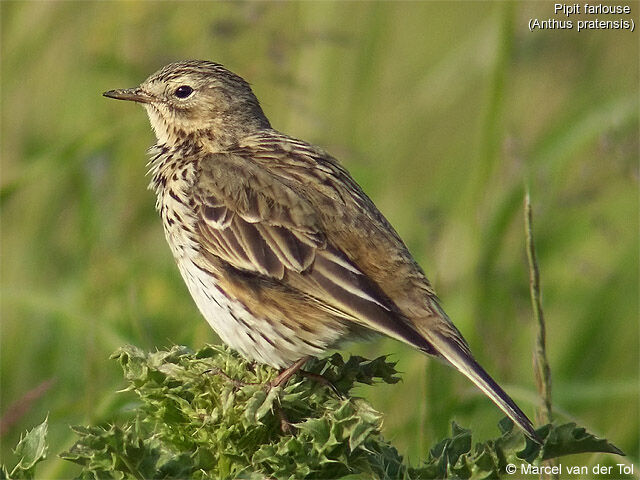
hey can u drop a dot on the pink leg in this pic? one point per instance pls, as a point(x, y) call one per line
point(289, 372)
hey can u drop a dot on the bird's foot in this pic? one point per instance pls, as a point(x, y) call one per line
point(286, 426)
point(286, 374)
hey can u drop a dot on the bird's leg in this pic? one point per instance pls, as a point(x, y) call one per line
point(285, 425)
point(287, 373)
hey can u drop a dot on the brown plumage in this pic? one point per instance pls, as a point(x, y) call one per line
point(282, 251)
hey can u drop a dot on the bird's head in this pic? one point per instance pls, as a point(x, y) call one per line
point(197, 100)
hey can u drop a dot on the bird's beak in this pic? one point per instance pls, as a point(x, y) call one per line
point(133, 94)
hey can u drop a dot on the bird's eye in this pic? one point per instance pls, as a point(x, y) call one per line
point(183, 91)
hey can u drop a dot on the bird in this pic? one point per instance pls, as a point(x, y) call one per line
point(282, 251)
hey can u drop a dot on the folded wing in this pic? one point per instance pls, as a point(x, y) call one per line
point(260, 225)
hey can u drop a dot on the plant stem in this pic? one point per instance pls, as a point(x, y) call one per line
point(541, 364)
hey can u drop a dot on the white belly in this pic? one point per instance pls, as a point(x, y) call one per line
point(253, 337)
point(273, 342)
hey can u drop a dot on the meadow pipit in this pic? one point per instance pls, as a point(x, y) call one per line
point(282, 251)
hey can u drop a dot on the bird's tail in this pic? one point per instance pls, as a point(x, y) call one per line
point(451, 346)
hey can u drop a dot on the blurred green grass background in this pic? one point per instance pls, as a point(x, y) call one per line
point(442, 111)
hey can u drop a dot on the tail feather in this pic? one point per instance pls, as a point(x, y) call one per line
point(456, 352)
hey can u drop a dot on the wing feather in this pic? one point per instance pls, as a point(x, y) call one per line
point(260, 225)
point(291, 251)
point(219, 215)
point(261, 255)
point(345, 278)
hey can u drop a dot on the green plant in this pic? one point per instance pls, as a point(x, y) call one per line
point(31, 449)
point(210, 414)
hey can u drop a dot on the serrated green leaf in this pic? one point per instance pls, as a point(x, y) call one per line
point(317, 428)
point(227, 398)
point(264, 454)
point(460, 444)
point(253, 405)
point(367, 413)
point(568, 439)
point(359, 434)
point(202, 415)
point(267, 405)
point(32, 447)
point(485, 460)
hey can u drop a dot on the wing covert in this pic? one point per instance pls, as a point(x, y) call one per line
point(253, 221)
point(259, 224)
